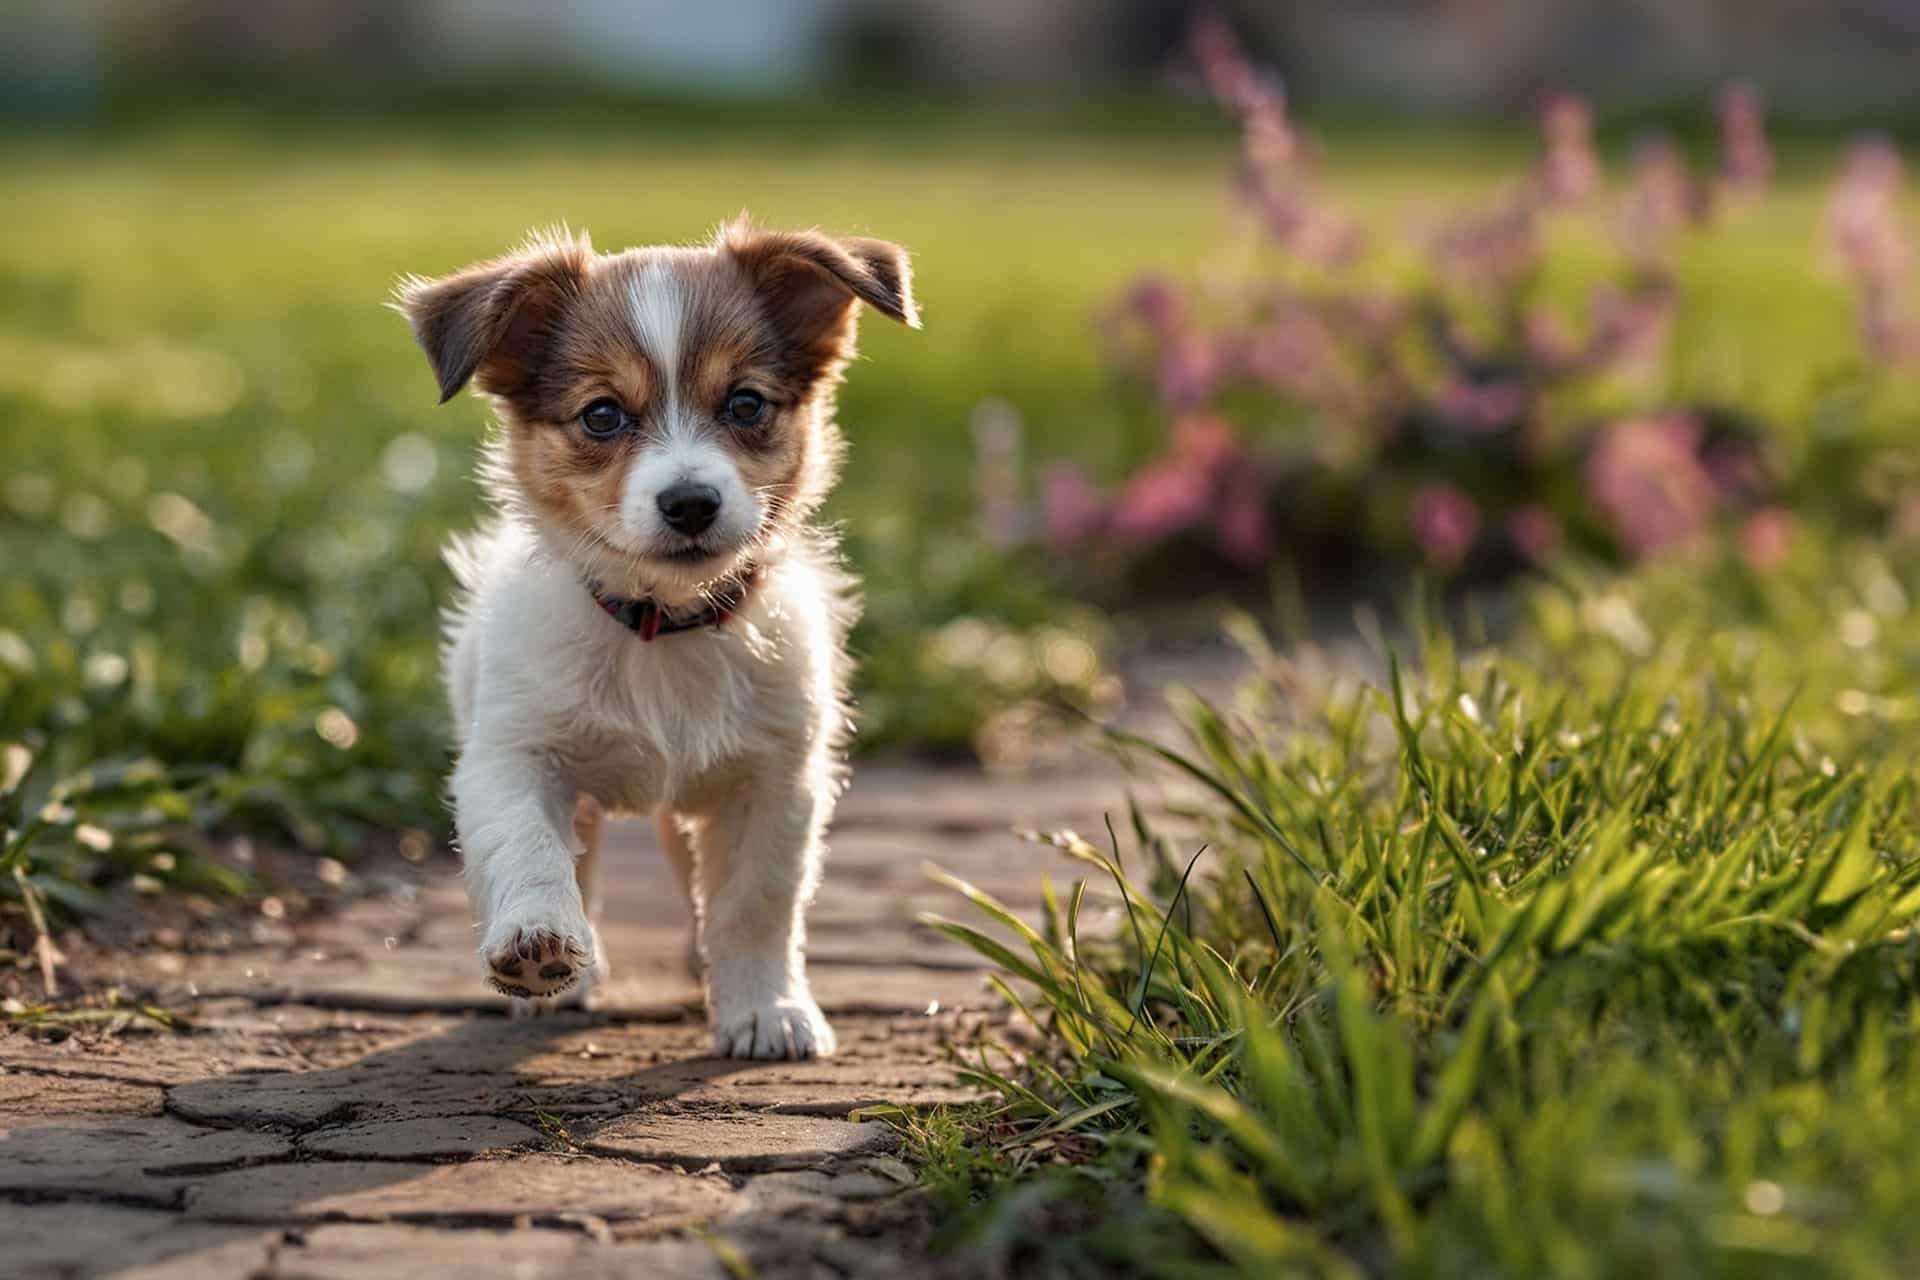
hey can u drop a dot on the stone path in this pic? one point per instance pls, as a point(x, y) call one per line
point(350, 1101)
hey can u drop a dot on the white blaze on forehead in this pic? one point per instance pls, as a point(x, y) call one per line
point(657, 305)
point(680, 451)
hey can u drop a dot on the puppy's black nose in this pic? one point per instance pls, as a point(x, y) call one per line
point(688, 507)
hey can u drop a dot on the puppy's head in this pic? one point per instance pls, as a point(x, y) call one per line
point(668, 411)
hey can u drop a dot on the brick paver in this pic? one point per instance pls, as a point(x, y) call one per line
point(350, 1102)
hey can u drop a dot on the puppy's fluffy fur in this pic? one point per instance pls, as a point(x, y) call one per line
point(623, 382)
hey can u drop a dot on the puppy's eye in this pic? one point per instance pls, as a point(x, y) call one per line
point(746, 407)
point(603, 418)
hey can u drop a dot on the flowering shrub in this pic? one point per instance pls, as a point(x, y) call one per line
point(1871, 241)
point(1327, 404)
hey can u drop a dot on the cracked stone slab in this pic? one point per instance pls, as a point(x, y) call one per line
point(828, 1087)
point(432, 1138)
point(157, 1060)
point(842, 983)
point(34, 1095)
point(785, 1192)
point(835, 1086)
point(538, 1187)
point(305, 1101)
point(574, 1065)
point(850, 1225)
point(355, 1251)
point(739, 1143)
point(94, 1239)
point(126, 1157)
point(398, 1094)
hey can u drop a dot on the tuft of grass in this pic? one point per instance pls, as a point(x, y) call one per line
point(110, 1010)
point(554, 1129)
point(731, 1257)
point(1589, 954)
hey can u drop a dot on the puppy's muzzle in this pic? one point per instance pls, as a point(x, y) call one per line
point(689, 508)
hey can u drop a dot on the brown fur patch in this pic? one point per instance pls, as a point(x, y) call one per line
point(549, 329)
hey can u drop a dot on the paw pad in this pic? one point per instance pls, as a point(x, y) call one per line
point(557, 959)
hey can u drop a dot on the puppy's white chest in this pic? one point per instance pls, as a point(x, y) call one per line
point(687, 699)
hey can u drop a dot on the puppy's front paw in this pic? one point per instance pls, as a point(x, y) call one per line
point(537, 959)
point(790, 1028)
point(579, 996)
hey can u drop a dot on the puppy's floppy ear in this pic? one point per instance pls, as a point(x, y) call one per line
point(813, 281)
point(493, 321)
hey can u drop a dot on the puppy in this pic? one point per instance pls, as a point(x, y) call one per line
point(650, 622)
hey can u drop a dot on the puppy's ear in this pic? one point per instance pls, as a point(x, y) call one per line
point(812, 282)
point(493, 321)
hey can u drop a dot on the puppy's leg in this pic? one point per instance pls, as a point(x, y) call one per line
point(515, 820)
point(679, 855)
point(589, 823)
point(760, 852)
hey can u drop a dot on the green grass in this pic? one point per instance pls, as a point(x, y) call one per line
point(1591, 954)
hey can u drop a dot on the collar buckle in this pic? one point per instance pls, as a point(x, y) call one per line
point(646, 619)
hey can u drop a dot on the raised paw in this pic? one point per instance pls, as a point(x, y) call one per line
point(791, 1028)
point(537, 962)
point(582, 995)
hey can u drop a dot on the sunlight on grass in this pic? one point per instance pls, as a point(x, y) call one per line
point(1591, 954)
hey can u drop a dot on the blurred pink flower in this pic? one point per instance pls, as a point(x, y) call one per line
point(1868, 234)
point(1645, 475)
point(1004, 518)
point(1629, 327)
point(1072, 505)
point(1766, 537)
point(1162, 499)
point(1367, 317)
point(1534, 532)
point(1746, 157)
point(1548, 339)
point(1269, 145)
point(1662, 197)
point(1159, 305)
point(1246, 535)
point(1318, 236)
point(1863, 213)
point(1275, 166)
point(1489, 247)
point(1569, 169)
point(1230, 77)
point(1291, 354)
point(1888, 326)
point(1906, 516)
point(1484, 406)
point(1205, 442)
point(1444, 522)
point(1190, 368)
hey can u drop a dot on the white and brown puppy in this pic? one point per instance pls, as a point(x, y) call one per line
point(650, 623)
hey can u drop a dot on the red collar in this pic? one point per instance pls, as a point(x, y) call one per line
point(647, 619)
